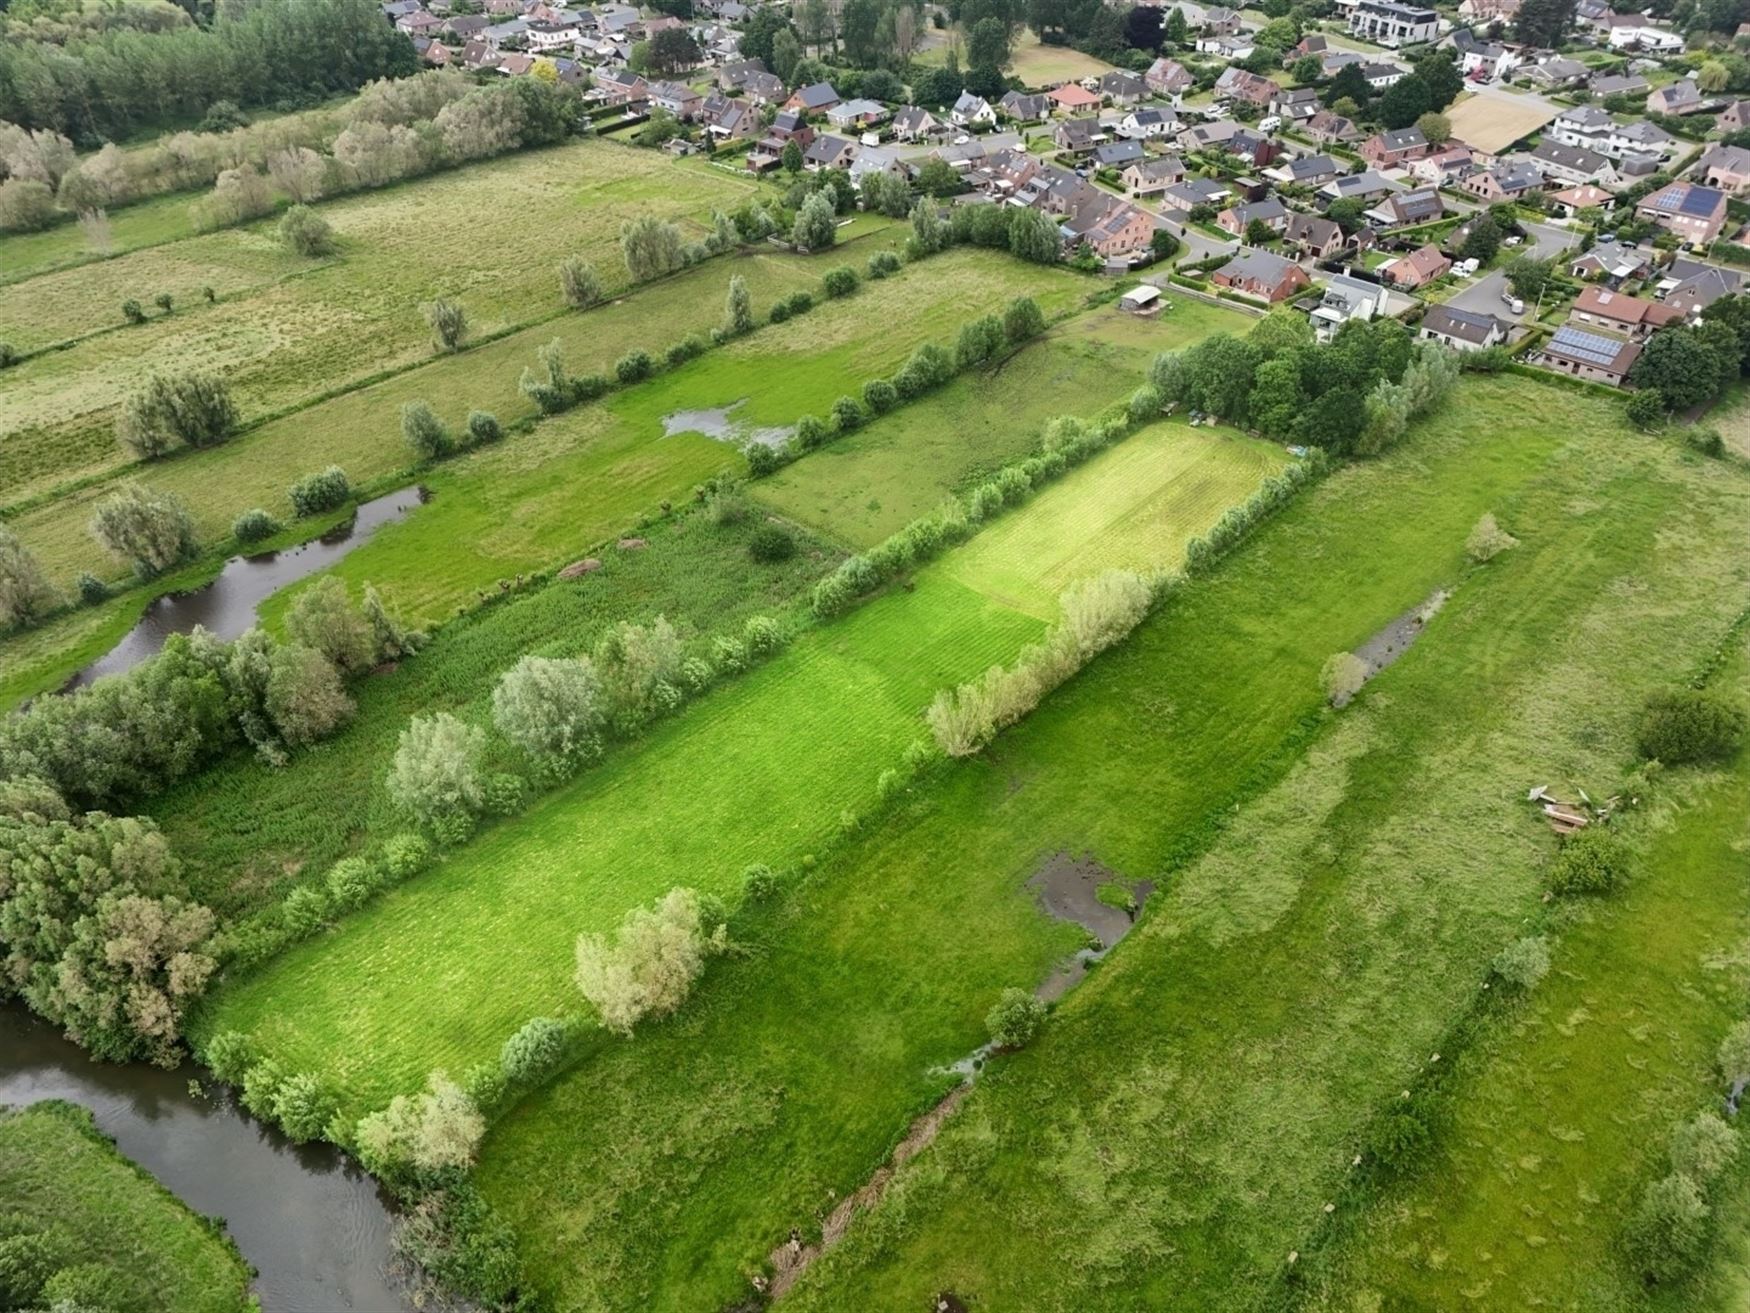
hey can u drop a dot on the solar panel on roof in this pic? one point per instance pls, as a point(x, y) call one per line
point(1588, 347)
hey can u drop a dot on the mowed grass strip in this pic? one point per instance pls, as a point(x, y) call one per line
point(1563, 1113)
point(1196, 1103)
point(63, 1175)
point(758, 771)
point(661, 1172)
point(286, 329)
point(1134, 511)
point(877, 480)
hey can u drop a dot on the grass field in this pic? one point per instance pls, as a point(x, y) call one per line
point(1494, 122)
point(763, 770)
point(881, 478)
point(286, 330)
point(1571, 1105)
point(148, 223)
point(1732, 418)
point(66, 1177)
point(1190, 1099)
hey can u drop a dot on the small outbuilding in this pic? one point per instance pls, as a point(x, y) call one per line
point(1139, 299)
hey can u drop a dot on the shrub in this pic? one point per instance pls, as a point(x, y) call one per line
point(8, 355)
point(260, 1083)
point(816, 226)
point(812, 432)
point(92, 590)
point(534, 1051)
point(1685, 726)
point(879, 396)
point(552, 709)
point(839, 282)
point(483, 428)
point(779, 313)
point(1488, 540)
point(132, 311)
point(759, 882)
point(729, 654)
point(726, 506)
point(150, 529)
point(1342, 677)
point(506, 794)
point(254, 525)
point(1591, 861)
point(761, 459)
point(580, 283)
point(440, 1128)
point(1703, 1147)
point(1015, 1019)
point(306, 233)
point(1523, 963)
point(27, 1261)
point(448, 323)
point(303, 912)
point(1144, 404)
point(194, 408)
point(350, 882)
point(1646, 409)
point(771, 543)
point(436, 772)
point(650, 966)
point(301, 1108)
point(762, 634)
point(26, 205)
point(883, 263)
point(1399, 1139)
point(688, 348)
point(633, 367)
point(847, 415)
point(322, 491)
point(800, 303)
point(697, 674)
point(406, 855)
point(1023, 320)
point(423, 432)
point(1665, 1234)
point(1705, 440)
point(229, 1055)
point(979, 341)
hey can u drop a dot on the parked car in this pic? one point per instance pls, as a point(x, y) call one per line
point(1269, 123)
point(1513, 303)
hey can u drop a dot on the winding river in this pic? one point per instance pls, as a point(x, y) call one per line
point(313, 1225)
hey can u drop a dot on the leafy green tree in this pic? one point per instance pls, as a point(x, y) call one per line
point(323, 617)
point(1681, 365)
point(304, 232)
point(148, 528)
point(1034, 235)
point(928, 230)
point(424, 433)
point(1015, 1019)
point(1666, 1233)
point(1405, 101)
point(26, 595)
point(1482, 241)
point(737, 308)
point(1528, 276)
point(552, 709)
point(987, 44)
point(651, 247)
point(1436, 127)
point(580, 282)
point(1277, 397)
point(1682, 726)
point(436, 774)
point(195, 408)
point(816, 226)
point(1306, 70)
point(1544, 24)
point(448, 322)
point(1218, 374)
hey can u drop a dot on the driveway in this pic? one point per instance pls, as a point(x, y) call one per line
point(1484, 295)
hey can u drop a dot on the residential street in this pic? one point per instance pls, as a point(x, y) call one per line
point(1484, 296)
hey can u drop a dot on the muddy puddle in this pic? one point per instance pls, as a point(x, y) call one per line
point(1394, 640)
point(1068, 888)
point(720, 423)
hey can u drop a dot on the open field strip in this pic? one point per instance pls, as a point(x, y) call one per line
point(1295, 978)
point(660, 1172)
point(60, 1174)
point(145, 223)
point(542, 497)
point(1130, 513)
point(758, 772)
point(876, 481)
point(287, 329)
point(1563, 1114)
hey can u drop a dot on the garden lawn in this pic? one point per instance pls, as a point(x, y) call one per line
point(1040, 65)
point(1563, 1113)
point(1193, 1106)
point(285, 330)
point(660, 1172)
point(873, 483)
point(67, 1177)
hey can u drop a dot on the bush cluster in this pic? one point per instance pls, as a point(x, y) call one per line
point(321, 491)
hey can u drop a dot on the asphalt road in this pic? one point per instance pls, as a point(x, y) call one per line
point(1484, 295)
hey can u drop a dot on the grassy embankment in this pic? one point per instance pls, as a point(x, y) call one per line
point(1197, 1098)
point(760, 771)
point(68, 1179)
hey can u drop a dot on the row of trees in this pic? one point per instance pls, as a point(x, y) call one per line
point(272, 52)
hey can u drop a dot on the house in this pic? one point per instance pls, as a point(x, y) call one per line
point(1192, 192)
point(1167, 77)
point(1682, 97)
point(1318, 237)
point(764, 88)
point(1237, 84)
point(554, 34)
point(1233, 138)
point(620, 86)
point(1368, 186)
point(791, 125)
point(876, 159)
point(1217, 20)
point(1439, 167)
point(1611, 262)
point(1306, 171)
point(1153, 177)
point(1295, 105)
point(1594, 356)
point(1346, 298)
point(1483, 61)
point(499, 35)
point(829, 152)
point(434, 54)
point(1555, 73)
point(1078, 136)
point(1395, 146)
point(1326, 128)
point(1488, 11)
point(816, 99)
point(1695, 214)
point(1462, 330)
point(419, 23)
point(1635, 34)
point(970, 110)
point(1405, 209)
point(733, 76)
point(1381, 76)
point(1604, 85)
point(1735, 117)
point(1692, 286)
point(1417, 269)
point(1504, 182)
point(1598, 307)
point(913, 123)
point(1726, 168)
point(1111, 228)
point(1024, 107)
point(1070, 98)
point(1388, 24)
point(1116, 154)
point(1573, 164)
point(1311, 44)
point(1141, 124)
point(517, 65)
point(1232, 49)
point(465, 27)
point(1571, 200)
point(1123, 88)
point(1239, 219)
point(1261, 274)
point(858, 115)
point(677, 98)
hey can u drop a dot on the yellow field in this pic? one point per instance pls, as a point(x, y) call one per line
point(1493, 123)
